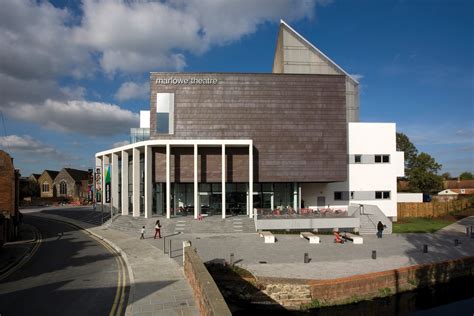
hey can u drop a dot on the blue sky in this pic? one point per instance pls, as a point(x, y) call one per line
point(73, 75)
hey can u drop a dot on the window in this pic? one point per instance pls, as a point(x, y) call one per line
point(63, 188)
point(352, 195)
point(162, 123)
point(337, 196)
point(382, 158)
point(165, 113)
point(45, 187)
point(382, 195)
point(358, 158)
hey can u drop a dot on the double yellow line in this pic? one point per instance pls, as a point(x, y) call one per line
point(14, 266)
point(119, 300)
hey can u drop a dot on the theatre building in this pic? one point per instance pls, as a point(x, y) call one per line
point(226, 144)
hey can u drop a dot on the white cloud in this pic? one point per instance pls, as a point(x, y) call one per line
point(43, 44)
point(357, 77)
point(132, 90)
point(28, 146)
point(120, 143)
point(90, 118)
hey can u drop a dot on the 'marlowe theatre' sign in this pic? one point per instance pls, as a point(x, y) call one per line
point(192, 80)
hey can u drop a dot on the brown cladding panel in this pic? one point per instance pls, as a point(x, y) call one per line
point(297, 123)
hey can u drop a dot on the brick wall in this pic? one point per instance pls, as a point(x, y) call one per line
point(210, 301)
point(291, 293)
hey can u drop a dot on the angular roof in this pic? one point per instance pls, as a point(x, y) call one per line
point(35, 175)
point(279, 49)
point(76, 174)
point(52, 173)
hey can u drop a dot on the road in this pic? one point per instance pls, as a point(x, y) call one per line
point(71, 273)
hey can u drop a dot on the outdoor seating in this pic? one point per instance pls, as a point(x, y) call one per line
point(312, 238)
point(268, 237)
point(354, 238)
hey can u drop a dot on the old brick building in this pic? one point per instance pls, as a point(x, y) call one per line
point(9, 200)
point(46, 183)
point(71, 184)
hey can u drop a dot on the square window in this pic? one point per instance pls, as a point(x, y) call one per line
point(337, 196)
point(378, 195)
point(385, 158)
point(378, 158)
point(386, 194)
point(358, 158)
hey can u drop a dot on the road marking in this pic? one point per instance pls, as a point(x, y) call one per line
point(121, 273)
point(27, 257)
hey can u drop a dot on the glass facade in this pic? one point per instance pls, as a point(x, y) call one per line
point(139, 135)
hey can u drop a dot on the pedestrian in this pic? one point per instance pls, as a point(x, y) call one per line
point(380, 228)
point(157, 229)
point(143, 233)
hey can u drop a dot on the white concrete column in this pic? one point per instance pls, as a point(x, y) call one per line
point(223, 181)
point(148, 182)
point(124, 196)
point(168, 184)
point(114, 178)
point(299, 197)
point(272, 201)
point(248, 204)
point(136, 182)
point(196, 185)
point(251, 180)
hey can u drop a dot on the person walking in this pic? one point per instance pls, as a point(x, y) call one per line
point(157, 229)
point(380, 228)
point(142, 236)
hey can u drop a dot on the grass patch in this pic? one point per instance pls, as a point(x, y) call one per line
point(420, 225)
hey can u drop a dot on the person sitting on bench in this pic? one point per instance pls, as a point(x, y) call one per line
point(337, 238)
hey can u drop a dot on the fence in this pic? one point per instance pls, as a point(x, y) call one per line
point(431, 209)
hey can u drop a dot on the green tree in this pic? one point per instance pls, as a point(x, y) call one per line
point(466, 176)
point(421, 170)
point(404, 144)
point(422, 175)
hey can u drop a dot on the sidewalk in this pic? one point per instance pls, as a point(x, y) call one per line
point(158, 285)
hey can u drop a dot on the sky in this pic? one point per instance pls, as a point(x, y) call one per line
point(74, 74)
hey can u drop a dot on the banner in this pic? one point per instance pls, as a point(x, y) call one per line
point(107, 185)
point(98, 184)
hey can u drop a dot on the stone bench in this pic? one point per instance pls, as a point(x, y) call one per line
point(269, 238)
point(312, 238)
point(354, 238)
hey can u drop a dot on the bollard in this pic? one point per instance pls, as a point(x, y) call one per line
point(306, 257)
point(231, 261)
point(467, 231)
point(425, 248)
point(169, 248)
point(374, 254)
point(456, 242)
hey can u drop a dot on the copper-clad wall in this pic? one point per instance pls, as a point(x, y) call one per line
point(297, 123)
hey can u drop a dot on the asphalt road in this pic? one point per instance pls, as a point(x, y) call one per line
point(71, 273)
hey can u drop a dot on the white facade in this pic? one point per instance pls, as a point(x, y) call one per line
point(144, 119)
point(368, 180)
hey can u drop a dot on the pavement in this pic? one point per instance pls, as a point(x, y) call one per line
point(285, 258)
point(158, 284)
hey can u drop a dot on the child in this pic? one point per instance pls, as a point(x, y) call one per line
point(143, 233)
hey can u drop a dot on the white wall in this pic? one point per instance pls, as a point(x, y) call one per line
point(369, 139)
point(144, 119)
point(410, 197)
